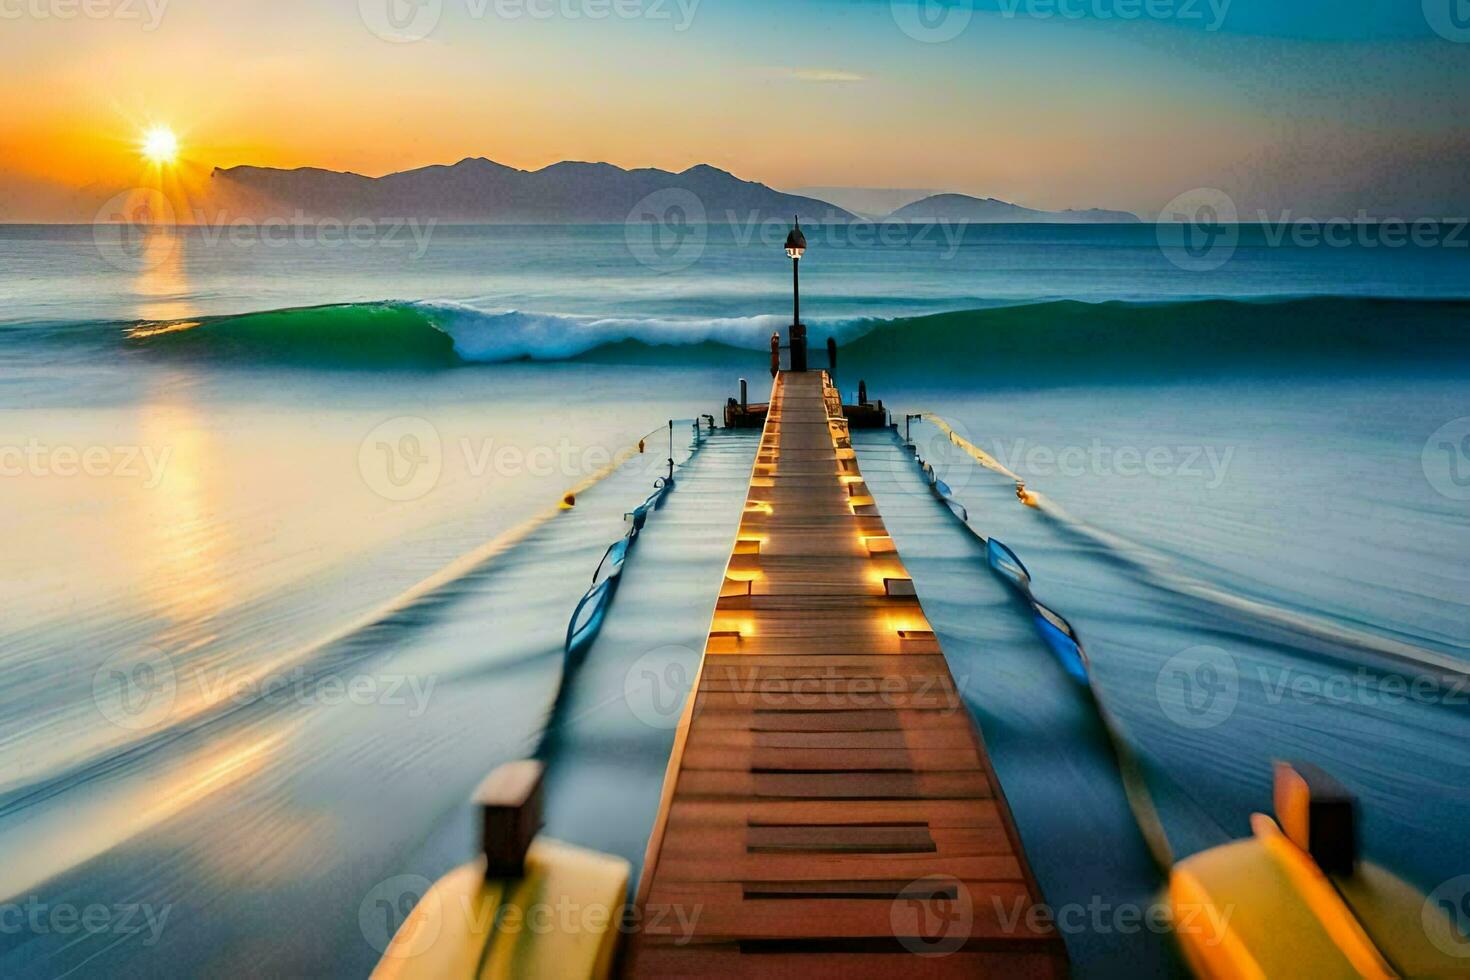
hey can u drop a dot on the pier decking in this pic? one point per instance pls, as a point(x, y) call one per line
point(829, 809)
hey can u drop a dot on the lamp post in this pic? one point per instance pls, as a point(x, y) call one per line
point(795, 248)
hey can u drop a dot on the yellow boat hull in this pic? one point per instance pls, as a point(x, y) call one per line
point(560, 920)
point(1261, 908)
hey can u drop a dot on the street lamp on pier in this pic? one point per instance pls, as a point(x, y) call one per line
point(796, 248)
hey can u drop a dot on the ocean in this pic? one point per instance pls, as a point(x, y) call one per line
point(285, 575)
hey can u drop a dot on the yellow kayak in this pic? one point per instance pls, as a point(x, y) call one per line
point(528, 907)
point(1295, 901)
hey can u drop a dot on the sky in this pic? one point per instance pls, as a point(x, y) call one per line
point(1324, 108)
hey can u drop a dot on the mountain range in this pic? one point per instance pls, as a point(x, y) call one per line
point(481, 190)
point(866, 202)
point(987, 210)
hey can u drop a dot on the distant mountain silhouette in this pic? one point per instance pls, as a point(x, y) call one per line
point(962, 207)
point(480, 190)
point(867, 202)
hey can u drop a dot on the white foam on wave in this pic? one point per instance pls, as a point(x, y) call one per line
point(511, 335)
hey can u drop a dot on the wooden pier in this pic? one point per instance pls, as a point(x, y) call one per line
point(829, 809)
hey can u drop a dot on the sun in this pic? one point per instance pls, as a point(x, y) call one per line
point(160, 145)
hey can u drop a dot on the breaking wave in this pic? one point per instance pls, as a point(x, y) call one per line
point(1066, 336)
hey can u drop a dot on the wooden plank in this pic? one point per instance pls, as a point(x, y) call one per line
point(827, 867)
point(817, 679)
point(778, 720)
point(799, 666)
point(840, 916)
point(728, 960)
point(839, 838)
point(922, 740)
point(860, 697)
point(937, 813)
point(873, 785)
point(829, 803)
point(694, 840)
point(844, 757)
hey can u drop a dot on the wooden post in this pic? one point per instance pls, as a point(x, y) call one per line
point(908, 439)
point(796, 293)
point(509, 801)
point(1317, 814)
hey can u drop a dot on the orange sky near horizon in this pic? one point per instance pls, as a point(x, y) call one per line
point(1046, 114)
